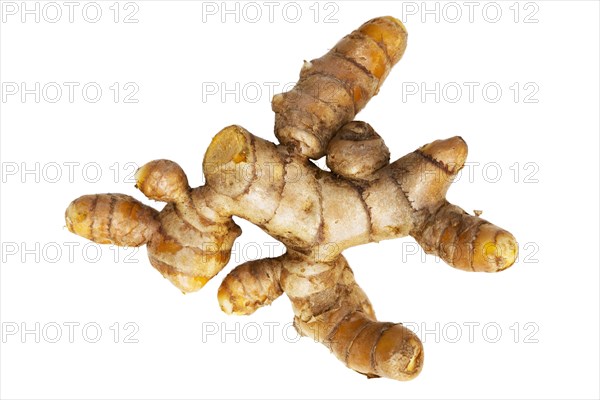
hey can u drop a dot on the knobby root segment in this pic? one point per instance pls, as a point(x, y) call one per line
point(317, 214)
point(357, 151)
point(331, 308)
point(465, 241)
point(250, 286)
point(162, 180)
point(376, 349)
point(334, 88)
point(112, 219)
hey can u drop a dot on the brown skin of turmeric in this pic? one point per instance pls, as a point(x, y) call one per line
point(315, 213)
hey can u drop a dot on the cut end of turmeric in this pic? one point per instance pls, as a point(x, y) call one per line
point(229, 145)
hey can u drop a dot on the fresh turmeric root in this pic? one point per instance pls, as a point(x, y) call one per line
point(316, 214)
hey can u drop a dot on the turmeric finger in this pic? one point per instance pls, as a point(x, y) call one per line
point(112, 218)
point(335, 87)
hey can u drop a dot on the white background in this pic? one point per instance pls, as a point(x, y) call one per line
point(535, 326)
